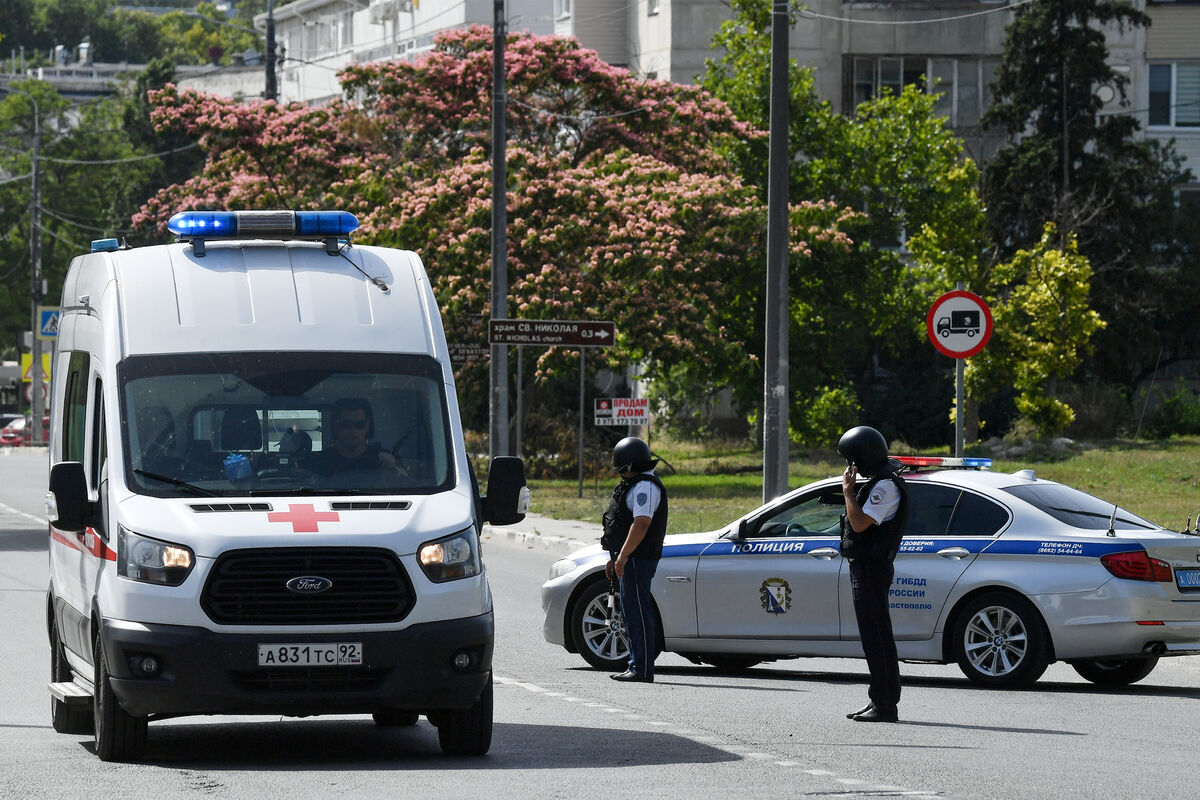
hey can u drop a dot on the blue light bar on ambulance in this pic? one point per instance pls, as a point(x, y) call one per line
point(944, 462)
point(262, 224)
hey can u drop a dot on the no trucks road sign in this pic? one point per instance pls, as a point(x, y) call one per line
point(959, 324)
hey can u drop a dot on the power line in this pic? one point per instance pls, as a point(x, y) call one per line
point(98, 162)
point(807, 14)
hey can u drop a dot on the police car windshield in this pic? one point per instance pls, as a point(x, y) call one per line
point(1077, 509)
point(287, 423)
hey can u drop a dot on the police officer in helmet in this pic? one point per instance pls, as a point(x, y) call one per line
point(635, 525)
point(872, 527)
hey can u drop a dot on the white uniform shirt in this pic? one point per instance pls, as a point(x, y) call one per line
point(643, 499)
point(884, 501)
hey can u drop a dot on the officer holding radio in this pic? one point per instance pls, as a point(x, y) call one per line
point(871, 532)
point(635, 525)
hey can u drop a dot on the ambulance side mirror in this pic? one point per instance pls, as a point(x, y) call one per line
point(507, 498)
point(67, 505)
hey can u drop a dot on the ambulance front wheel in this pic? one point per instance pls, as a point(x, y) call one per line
point(119, 736)
point(467, 732)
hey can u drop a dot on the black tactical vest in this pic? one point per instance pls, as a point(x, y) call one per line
point(878, 542)
point(618, 518)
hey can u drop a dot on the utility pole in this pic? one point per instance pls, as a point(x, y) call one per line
point(498, 401)
point(271, 90)
point(36, 378)
point(775, 354)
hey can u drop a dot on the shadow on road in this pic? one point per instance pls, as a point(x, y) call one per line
point(317, 745)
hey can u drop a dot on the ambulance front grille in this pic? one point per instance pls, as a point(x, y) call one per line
point(250, 587)
point(314, 679)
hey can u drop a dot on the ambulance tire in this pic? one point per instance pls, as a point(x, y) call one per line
point(119, 735)
point(65, 718)
point(1113, 673)
point(467, 732)
point(1000, 641)
point(395, 718)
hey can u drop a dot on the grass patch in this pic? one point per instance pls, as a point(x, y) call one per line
point(713, 484)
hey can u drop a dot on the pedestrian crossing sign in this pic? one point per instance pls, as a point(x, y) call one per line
point(48, 322)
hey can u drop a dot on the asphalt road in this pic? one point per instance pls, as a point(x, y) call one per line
point(565, 730)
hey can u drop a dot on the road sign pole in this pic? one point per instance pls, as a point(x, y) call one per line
point(582, 386)
point(960, 393)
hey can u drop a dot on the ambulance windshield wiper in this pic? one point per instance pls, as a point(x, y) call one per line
point(175, 482)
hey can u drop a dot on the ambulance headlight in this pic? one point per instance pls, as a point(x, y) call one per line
point(140, 558)
point(450, 558)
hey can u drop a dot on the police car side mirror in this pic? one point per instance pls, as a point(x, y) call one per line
point(67, 504)
point(507, 498)
point(740, 531)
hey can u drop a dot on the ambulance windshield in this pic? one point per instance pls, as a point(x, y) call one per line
point(279, 423)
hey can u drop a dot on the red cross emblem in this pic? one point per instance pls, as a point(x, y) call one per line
point(303, 516)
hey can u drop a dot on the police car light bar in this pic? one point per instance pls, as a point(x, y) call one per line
point(262, 224)
point(944, 462)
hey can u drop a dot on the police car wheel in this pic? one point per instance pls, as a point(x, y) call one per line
point(1115, 672)
point(1000, 641)
point(65, 718)
point(467, 732)
point(599, 631)
point(119, 736)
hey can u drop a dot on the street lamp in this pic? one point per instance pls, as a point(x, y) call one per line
point(36, 379)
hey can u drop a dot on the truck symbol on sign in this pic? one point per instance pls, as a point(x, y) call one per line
point(960, 322)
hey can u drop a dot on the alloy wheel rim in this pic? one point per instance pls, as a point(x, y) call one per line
point(604, 630)
point(995, 641)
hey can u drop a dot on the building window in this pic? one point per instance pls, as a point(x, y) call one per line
point(961, 83)
point(652, 7)
point(1175, 94)
point(562, 8)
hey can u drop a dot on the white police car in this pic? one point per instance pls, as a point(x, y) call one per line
point(1001, 573)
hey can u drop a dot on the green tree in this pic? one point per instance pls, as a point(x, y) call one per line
point(90, 174)
point(1043, 327)
point(1086, 172)
point(858, 313)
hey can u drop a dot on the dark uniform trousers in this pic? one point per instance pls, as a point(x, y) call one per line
point(870, 580)
point(638, 610)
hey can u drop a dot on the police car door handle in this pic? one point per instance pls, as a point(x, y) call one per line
point(955, 553)
point(678, 579)
point(824, 553)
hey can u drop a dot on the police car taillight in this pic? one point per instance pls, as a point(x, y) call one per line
point(264, 224)
point(1137, 565)
point(945, 462)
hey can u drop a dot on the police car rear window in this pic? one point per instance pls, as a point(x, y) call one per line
point(1077, 509)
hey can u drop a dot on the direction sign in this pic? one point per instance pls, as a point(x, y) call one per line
point(464, 352)
point(550, 332)
point(959, 324)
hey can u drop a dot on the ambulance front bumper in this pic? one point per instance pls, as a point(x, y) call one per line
point(424, 668)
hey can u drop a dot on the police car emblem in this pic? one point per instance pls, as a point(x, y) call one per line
point(776, 595)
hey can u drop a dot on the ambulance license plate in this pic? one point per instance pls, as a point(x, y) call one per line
point(323, 654)
point(1187, 578)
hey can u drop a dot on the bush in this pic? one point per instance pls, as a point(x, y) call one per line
point(1102, 411)
point(1174, 414)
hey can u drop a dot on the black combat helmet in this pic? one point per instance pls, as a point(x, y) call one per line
point(867, 450)
point(634, 454)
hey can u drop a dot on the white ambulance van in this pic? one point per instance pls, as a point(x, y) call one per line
point(260, 496)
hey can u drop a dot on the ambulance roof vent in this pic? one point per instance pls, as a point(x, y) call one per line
point(324, 226)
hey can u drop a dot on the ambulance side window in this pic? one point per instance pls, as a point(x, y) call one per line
point(99, 448)
point(75, 408)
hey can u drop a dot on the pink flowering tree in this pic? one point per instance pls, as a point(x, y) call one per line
point(620, 204)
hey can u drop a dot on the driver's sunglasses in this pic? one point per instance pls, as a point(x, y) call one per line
point(351, 423)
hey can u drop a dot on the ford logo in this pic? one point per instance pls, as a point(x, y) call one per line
point(309, 584)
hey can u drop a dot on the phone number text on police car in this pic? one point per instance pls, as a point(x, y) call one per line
point(310, 654)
